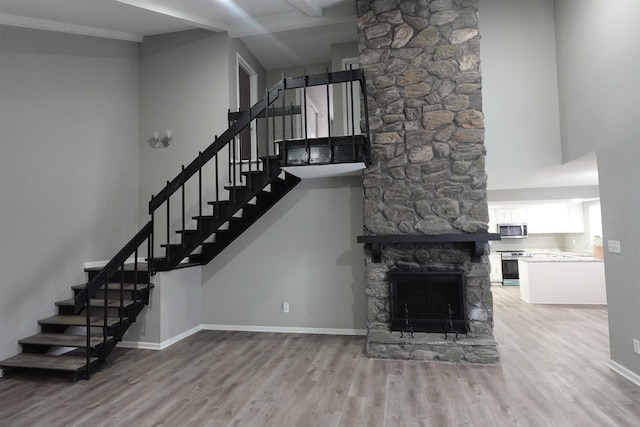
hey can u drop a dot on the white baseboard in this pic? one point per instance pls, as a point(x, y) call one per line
point(630, 375)
point(285, 329)
point(238, 328)
point(164, 344)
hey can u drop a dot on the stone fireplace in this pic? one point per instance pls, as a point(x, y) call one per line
point(425, 200)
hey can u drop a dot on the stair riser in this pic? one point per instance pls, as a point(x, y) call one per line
point(59, 329)
point(44, 348)
point(99, 311)
point(129, 276)
point(128, 295)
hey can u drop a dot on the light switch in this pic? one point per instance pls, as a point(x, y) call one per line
point(614, 246)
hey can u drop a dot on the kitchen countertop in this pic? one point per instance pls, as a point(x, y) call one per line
point(560, 257)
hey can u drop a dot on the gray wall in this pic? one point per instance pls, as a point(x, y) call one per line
point(302, 251)
point(184, 87)
point(68, 167)
point(599, 65)
point(519, 84)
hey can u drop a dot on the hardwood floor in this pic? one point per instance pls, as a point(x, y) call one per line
point(553, 373)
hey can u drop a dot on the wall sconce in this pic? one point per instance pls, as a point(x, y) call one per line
point(160, 140)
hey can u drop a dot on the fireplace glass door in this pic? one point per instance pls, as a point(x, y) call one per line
point(427, 301)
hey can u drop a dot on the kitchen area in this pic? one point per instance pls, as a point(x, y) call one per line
point(551, 250)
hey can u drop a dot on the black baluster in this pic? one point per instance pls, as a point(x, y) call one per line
point(88, 316)
point(304, 102)
point(183, 207)
point(353, 117)
point(199, 189)
point(168, 225)
point(329, 142)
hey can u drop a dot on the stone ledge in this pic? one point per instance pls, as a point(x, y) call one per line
point(432, 347)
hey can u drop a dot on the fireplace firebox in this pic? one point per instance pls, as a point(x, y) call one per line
point(427, 301)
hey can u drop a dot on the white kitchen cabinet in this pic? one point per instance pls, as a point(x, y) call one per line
point(519, 215)
point(496, 268)
point(556, 217)
point(503, 215)
point(563, 216)
point(507, 215)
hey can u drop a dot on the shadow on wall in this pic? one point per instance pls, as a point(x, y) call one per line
point(303, 251)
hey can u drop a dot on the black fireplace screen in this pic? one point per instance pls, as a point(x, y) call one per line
point(427, 301)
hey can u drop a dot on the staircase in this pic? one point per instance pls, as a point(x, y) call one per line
point(78, 340)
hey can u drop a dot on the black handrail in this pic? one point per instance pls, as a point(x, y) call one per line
point(237, 123)
point(244, 119)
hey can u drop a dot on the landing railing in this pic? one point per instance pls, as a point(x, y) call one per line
point(274, 123)
point(275, 126)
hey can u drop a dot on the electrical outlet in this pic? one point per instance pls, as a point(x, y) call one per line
point(614, 246)
point(636, 346)
point(285, 307)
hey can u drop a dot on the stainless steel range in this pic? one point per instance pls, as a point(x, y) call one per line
point(510, 272)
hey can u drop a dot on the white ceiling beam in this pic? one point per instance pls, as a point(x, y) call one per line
point(195, 20)
point(307, 7)
point(286, 22)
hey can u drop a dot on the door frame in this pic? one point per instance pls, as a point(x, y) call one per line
point(253, 88)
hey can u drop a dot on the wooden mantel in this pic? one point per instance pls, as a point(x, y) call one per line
point(477, 240)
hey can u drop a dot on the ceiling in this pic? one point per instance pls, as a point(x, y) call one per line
point(280, 34)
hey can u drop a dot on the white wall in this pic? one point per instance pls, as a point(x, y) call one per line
point(599, 65)
point(520, 89)
point(68, 167)
point(302, 251)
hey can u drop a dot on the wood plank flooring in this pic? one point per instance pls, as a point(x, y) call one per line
point(553, 373)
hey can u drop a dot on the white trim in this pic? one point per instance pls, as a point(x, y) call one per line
point(253, 96)
point(284, 329)
point(619, 369)
point(142, 345)
point(45, 24)
point(164, 344)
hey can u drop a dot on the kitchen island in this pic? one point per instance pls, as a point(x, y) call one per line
point(561, 278)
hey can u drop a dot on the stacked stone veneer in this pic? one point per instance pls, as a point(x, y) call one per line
point(422, 63)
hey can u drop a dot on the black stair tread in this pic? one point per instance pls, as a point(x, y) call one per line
point(63, 340)
point(96, 302)
point(80, 320)
point(142, 266)
point(188, 231)
point(115, 286)
point(46, 361)
point(235, 187)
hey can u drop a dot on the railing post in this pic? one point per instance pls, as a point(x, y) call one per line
point(217, 205)
point(119, 338)
point(168, 226)
point(353, 115)
point(105, 313)
point(88, 316)
point(266, 114)
point(363, 89)
point(182, 239)
point(304, 103)
point(284, 125)
point(199, 189)
point(329, 142)
point(150, 243)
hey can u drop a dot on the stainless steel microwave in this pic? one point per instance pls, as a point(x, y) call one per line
point(513, 230)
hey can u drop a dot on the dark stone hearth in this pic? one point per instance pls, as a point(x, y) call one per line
point(422, 63)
